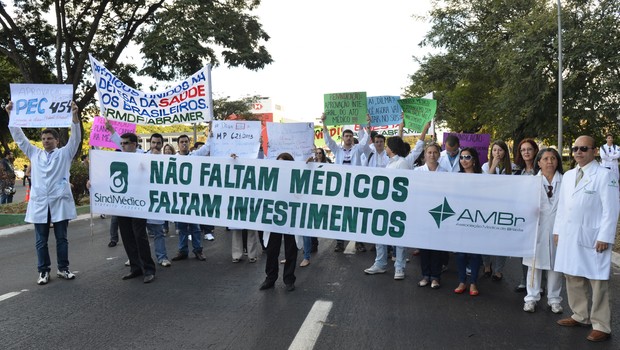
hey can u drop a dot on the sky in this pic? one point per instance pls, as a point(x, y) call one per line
point(323, 47)
point(332, 46)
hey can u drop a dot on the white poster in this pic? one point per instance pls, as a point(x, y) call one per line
point(189, 101)
point(240, 137)
point(486, 214)
point(41, 105)
point(294, 138)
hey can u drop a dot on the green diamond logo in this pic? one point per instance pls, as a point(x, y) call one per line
point(442, 212)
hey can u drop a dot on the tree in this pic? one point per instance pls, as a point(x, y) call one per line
point(496, 70)
point(176, 38)
point(224, 107)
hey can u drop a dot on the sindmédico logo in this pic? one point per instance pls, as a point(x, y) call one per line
point(119, 176)
point(476, 218)
point(119, 183)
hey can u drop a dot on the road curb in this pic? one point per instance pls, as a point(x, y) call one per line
point(22, 228)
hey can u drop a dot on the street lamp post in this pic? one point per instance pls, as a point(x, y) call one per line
point(560, 146)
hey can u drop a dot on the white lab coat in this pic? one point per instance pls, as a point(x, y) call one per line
point(50, 180)
point(545, 248)
point(356, 151)
point(586, 214)
point(444, 162)
point(609, 158)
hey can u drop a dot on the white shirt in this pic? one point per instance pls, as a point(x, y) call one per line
point(354, 153)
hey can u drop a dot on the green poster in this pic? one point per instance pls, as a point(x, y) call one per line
point(418, 111)
point(345, 108)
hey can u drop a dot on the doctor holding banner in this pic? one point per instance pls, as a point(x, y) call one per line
point(51, 200)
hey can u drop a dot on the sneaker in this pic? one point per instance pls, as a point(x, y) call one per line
point(529, 306)
point(165, 263)
point(374, 269)
point(209, 237)
point(44, 277)
point(556, 308)
point(102, 216)
point(399, 274)
point(68, 275)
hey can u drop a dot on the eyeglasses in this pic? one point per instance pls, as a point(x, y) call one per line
point(465, 157)
point(549, 191)
point(581, 148)
point(123, 143)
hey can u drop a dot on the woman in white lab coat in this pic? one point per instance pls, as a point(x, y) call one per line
point(548, 165)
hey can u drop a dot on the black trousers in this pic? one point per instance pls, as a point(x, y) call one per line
point(273, 253)
point(136, 243)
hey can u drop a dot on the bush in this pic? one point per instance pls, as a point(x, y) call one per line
point(78, 179)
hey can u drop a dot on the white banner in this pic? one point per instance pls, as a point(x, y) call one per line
point(41, 105)
point(189, 101)
point(294, 138)
point(487, 214)
point(239, 137)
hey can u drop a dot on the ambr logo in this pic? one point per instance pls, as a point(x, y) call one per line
point(442, 212)
point(119, 175)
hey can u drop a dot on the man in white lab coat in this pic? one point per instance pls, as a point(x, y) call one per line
point(449, 157)
point(51, 200)
point(584, 231)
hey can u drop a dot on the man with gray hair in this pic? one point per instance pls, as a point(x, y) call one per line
point(585, 231)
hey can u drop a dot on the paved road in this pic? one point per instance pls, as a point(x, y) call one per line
point(217, 304)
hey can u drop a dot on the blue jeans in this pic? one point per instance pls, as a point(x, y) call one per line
point(159, 241)
point(307, 247)
point(381, 260)
point(6, 198)
point(114, 229)
point(186, 230)
point(42, 232)
point(474, 260)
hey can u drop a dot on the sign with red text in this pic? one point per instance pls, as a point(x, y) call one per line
point(186, 102)
point(100, 137)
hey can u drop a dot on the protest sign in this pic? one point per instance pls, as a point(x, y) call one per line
point(100, 137)
point(384, 110)
point(41, 105)
point(444, 211)
point(187, 102)
point(294, 138)
point(240, 137)
point(335, 132)
point(478, 141)
point(345, 108)
point(418, 111)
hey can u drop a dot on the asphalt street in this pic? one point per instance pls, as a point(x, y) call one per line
point(217, 305)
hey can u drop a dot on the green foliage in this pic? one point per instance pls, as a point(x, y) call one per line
point(224, 107)
point(496, 70)
point(78, 179)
